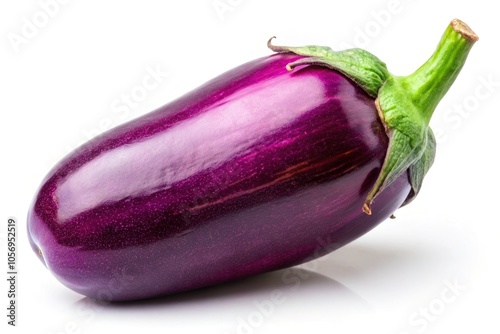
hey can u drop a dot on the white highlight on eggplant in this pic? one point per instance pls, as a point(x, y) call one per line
point(234, 125)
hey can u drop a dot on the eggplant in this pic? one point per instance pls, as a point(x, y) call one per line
point(275, 162)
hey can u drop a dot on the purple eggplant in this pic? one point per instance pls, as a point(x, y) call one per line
point(276, 162)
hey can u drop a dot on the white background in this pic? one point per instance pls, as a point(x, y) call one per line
point(66, 78)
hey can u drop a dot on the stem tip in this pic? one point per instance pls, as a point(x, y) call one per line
point(463, 29)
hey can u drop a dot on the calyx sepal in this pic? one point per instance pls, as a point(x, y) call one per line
point(359, 65)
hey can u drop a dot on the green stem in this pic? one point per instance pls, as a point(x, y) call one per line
point(431, 81)
point(406, 105)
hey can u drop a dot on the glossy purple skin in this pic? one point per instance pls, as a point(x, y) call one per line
point(259, 169)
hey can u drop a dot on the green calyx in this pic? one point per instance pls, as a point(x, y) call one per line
point(359, 65)
point(405, 103)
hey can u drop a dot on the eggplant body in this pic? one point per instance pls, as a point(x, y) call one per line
point(257, 170)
